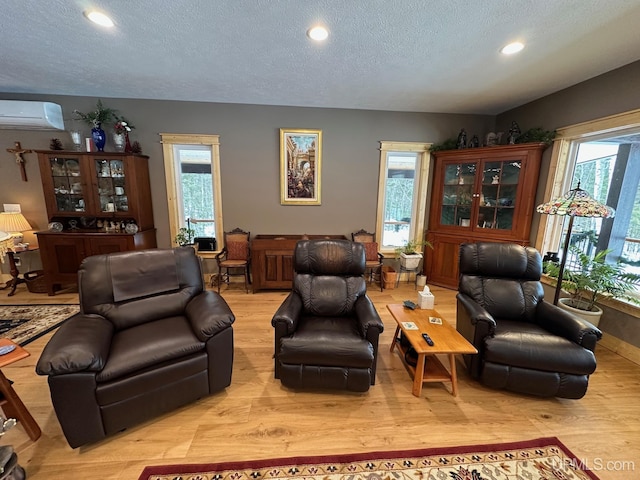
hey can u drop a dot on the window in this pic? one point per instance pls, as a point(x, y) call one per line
point(603, 156)
point(192, 170)
point(402, 193)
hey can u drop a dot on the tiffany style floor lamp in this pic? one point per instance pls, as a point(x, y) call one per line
point(575, 203)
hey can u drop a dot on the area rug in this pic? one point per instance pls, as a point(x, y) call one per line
point(25, 323)
point(539, 459)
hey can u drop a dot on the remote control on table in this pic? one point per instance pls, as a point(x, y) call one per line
point(427, 339)
point(409, 304)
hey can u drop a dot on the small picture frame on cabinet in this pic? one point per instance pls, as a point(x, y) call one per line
point(465, 222)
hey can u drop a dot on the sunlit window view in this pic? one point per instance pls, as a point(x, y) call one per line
point(400, 191)
point(196, 189)
point(608, 170)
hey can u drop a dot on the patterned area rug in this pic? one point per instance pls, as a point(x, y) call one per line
point(540, 459)
point(25, 323)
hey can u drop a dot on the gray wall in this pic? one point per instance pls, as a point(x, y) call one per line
point(250, 158)
point(608, 94)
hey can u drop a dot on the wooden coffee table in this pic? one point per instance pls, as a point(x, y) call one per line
point(446, 339)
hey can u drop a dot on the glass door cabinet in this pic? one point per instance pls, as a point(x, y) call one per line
point(479, 194)
point(97, 202)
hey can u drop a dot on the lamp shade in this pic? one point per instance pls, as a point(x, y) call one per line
point(13, 222)
point(576, 203)
point(6, 242)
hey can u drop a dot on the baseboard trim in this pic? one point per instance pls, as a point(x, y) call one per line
point(622, 348)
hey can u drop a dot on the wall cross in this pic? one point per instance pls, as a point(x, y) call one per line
point(18, 151)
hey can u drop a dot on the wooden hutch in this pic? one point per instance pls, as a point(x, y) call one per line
point(479, 194)
point(97, 202)
point(272, 260)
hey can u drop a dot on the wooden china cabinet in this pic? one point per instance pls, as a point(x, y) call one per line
point(97, 202)
point(479, 194)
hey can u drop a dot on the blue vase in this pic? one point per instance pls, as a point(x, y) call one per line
point(99, 138)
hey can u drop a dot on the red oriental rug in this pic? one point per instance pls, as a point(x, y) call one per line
point(540, 459)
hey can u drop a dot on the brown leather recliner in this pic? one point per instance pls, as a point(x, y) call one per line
point(148, 339)
point(327, 329)
point(524, 344)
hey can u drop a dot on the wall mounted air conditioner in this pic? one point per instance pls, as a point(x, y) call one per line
point(28, 115)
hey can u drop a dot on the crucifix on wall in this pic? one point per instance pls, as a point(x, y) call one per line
point(18, 151)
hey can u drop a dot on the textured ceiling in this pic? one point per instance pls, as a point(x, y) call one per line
point(404, 55)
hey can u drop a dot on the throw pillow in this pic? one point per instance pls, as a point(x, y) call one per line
point(237, 250)
point(371, 251)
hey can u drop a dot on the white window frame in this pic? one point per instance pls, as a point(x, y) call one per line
point(169, 140)
point(561, 167)
point(416, 228)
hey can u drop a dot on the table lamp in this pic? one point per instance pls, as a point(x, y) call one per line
point(6, 242)
point(575, 203)
point(14, 223)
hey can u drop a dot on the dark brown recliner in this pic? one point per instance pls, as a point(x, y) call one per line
point(524, 344)
point(327, 329)
point(148, 339)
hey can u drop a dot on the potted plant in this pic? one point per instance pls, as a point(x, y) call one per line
point(95, 119)
point(409, 255)
point(184, 236)
point(593, 280)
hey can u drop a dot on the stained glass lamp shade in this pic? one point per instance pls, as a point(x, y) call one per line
point(575, 203)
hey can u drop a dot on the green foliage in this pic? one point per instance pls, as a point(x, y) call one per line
point(537, 134)
point(184, 236)
point(533, 135)
point(411, 247)
point(399, 197)
point(197, 195)
point(449, 144)
point(595, 279)
point(99, 116)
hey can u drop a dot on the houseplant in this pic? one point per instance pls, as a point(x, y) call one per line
point(184, 236)
point(409, 255)
point(593, 280)
point(95, 119)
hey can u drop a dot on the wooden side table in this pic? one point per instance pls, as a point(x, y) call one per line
point(10, 402)
point(13, 270)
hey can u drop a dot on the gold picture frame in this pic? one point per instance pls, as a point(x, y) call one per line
point(300, 166)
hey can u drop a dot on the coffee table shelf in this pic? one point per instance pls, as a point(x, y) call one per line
point(447, 341)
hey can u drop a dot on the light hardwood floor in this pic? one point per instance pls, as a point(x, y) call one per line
point(256, 418)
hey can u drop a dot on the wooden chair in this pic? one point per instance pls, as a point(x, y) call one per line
point(373, 258)
point(235, 255)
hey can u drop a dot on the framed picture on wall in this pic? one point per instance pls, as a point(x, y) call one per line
point(300, 166)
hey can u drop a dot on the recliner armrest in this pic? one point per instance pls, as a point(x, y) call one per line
point(208, 314)
point(367, 315)
point(567, 325)
point(475, 312)
point(475, 324)
point(81, 344)
point(288, 313)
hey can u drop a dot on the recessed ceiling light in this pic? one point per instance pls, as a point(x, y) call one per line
point(99, 18)
point(318, 33)
point(512, 48)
